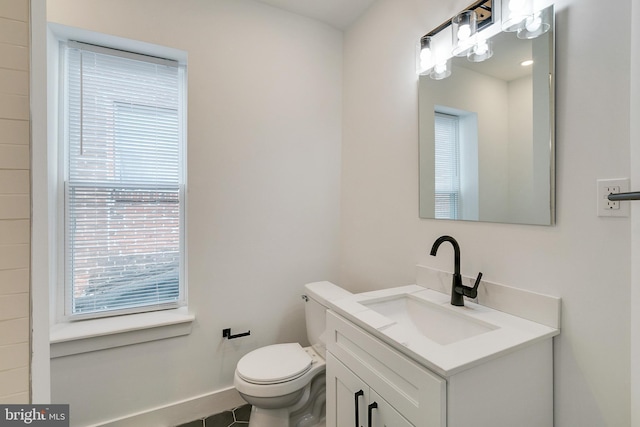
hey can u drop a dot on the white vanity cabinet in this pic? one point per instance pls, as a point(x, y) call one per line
point(406, 393)
point(514, 389)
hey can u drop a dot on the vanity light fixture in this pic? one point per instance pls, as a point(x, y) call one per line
point(514, 12)
point(535, 24)
point(522, 17)
point(441, 70)
point(481, 51)
point(459, 36)
point(464, 27)
point(470, 32)
point(425, 55)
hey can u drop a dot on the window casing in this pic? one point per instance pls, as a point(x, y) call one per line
point(447, 166)
point(123, 167)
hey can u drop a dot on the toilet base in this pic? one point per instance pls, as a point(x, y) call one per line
point(279, 418)
point(308, 412)
point(269, 417)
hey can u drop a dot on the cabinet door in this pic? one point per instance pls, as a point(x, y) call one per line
point(381, 414)
point(347, 396)
point(414, 391)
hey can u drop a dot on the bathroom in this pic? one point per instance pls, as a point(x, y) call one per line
point(302, 147)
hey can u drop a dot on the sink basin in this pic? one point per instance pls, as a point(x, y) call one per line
point(422, 324)
point(435, 322)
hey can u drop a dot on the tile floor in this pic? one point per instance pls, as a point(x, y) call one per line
point(237, 417)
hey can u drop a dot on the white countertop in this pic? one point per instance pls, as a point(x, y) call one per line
point(507, 334)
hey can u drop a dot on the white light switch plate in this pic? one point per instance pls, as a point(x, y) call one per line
point(607, 207)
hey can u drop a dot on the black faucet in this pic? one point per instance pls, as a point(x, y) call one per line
point(458, 290)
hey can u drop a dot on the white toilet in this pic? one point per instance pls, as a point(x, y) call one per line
point(285, 383)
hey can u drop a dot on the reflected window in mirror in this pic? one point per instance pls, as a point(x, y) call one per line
point(456, 163)
point(447, 164)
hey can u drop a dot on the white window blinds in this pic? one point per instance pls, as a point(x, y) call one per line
point(447, 165)
point(123, 181)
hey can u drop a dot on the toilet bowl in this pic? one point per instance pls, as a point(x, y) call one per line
point(285, 383)
point(279, 391)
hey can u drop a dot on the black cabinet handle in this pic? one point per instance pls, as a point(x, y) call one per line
point(373, 406)
point(358, 394)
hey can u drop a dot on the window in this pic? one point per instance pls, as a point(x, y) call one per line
point(447, 166)
point(124, 169)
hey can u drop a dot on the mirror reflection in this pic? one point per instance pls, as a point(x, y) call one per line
point(486, 136)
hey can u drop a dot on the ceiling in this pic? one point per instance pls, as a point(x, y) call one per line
point(337, 13)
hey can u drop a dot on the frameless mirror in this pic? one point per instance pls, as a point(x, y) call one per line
point(487, 135)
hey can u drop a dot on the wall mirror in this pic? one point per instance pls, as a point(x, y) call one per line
point(487, 132)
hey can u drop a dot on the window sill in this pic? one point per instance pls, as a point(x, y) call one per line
point(99, 334)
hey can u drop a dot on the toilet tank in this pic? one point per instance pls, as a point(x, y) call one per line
point(315, 310)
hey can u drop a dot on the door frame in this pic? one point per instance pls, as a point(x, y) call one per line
point(40, 360)
point(634, 148)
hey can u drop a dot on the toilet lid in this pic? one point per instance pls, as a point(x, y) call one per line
point(274, 364)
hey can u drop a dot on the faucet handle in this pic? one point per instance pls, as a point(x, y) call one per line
point(475, 285)
point(472, 292)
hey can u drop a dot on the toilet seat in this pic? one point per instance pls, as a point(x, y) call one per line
point(274, 364)
point(293, 384)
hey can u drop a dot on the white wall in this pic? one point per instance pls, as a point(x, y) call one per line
point(264, 134)
point(583, 259)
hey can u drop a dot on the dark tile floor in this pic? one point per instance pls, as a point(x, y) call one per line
point(237, 417)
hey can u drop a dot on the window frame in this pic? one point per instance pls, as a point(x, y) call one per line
point(64, 144)
point(108, 330)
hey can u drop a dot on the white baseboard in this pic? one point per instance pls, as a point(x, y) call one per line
point(181, 412)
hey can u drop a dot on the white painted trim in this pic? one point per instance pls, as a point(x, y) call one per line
point(180, 412)
point(40, 363)
point(64, 32)
point(539, 308)
point(99, 334)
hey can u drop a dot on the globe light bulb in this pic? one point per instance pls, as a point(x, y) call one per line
point(514, 12)
point(441, 70)
point(481, 51)
point(425, 58)
point(464, 27)
point(481, 48)
point(464, 32)
point(534, 22)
